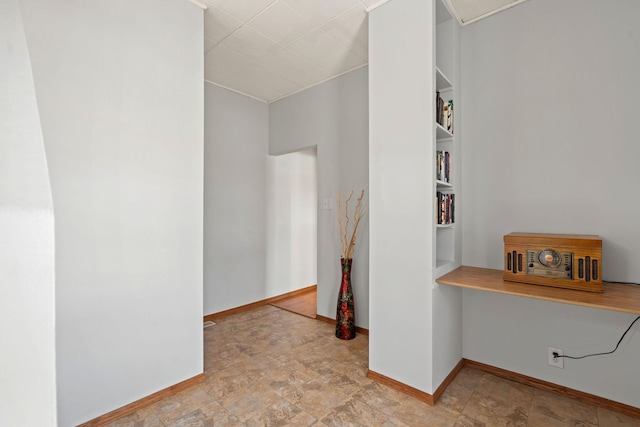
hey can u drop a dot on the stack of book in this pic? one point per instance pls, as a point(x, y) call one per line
point(444, 112)
point(443, 166)
point(445, 205)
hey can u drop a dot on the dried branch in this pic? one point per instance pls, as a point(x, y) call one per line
point(348, 244)
point(345, 244)
point(342, 240)
point(357, 216)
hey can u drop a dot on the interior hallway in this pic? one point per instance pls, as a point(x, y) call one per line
point(270, 367)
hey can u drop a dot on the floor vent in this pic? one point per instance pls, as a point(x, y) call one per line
point(207, 324)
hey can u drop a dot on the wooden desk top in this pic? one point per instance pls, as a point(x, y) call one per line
point(616, 296)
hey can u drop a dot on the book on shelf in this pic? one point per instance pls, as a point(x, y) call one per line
point(444, 112)
point(447, 166)
point(445, 205)
point(440, 109)
point(443, 166)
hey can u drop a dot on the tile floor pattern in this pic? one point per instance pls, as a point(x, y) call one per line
point(270, 367)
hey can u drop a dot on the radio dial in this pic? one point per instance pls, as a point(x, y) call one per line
point(549, 258)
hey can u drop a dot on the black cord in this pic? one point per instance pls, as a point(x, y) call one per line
point(601, 354)
point(623, 283)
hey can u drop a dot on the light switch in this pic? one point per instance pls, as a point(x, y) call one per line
point(327, 204)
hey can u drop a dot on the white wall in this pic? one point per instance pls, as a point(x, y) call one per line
point(120, 90)
point(401, 174)
point(236, 145)
point(291, 222)
point(551, 145)
point(27, 300)
point(333, 117)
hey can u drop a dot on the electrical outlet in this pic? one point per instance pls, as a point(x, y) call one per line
point(557, 362)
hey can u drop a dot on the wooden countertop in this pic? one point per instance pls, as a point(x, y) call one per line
point(616, 296)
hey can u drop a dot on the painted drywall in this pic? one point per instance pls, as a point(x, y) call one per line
point(551, 145)
point(236, 144)
point(333, 117)
point(291, 222)
point(119, 86)
point(401, 174)
point(27, 298)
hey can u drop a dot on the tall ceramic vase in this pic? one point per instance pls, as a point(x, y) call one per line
point(345, 313)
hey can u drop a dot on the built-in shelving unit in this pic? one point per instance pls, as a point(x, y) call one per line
point(447, 234)
point(405, 70)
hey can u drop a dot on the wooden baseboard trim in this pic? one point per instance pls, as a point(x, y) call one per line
point(312, 288)
point(359, 330)
point(590, 399)
point(214, 316)
point(326, 319)
point(555, 388)
point(418, 394)
point(145, 401)
point(401, 387)
point(438, 393)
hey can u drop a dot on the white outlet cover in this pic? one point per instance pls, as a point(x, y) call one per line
point(555, 362)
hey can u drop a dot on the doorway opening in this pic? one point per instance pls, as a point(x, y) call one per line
point(292, 227)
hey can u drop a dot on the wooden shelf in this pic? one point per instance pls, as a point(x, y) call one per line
point(616, 296)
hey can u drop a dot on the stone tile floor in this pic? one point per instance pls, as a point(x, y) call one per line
point(270, 367)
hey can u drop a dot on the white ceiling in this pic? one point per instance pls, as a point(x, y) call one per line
point(269, 49)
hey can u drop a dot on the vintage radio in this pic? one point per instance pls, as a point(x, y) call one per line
point(560, 260)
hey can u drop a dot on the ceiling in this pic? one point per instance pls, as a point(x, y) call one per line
point(269, 49)
point(469, 11)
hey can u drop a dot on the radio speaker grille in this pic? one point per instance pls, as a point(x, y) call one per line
point(514, 262)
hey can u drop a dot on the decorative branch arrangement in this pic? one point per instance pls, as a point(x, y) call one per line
point(349, 243)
